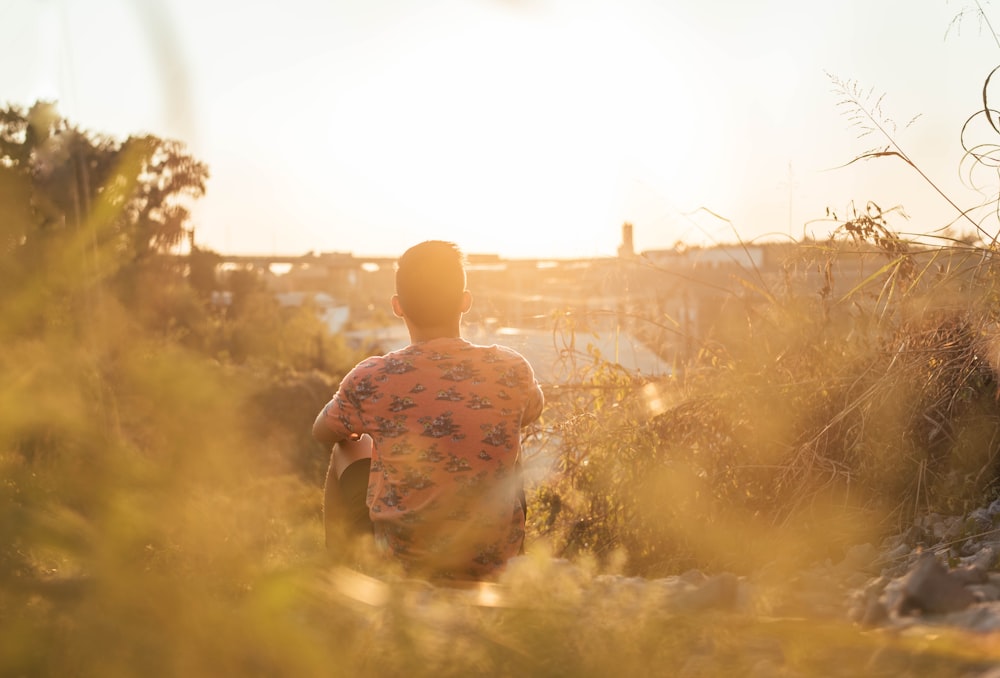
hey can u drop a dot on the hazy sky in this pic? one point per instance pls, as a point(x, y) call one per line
point(523, 127)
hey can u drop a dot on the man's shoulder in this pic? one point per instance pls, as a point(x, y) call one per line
point(368, 366)
point(497, 353)
point(392, 361)
point(368, 363)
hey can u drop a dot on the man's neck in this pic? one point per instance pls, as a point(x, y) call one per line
point(421, 334)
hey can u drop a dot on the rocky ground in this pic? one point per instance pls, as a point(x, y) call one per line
point(925, 602)
point(944, 571)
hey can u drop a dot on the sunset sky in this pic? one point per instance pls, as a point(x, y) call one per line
point(528, 128)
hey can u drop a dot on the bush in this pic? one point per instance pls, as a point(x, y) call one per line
point(807, 423)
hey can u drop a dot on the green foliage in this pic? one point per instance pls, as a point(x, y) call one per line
point(119, 201)
point(132, 498)
point(821, 411)
point(160, 492)
point(85, 210)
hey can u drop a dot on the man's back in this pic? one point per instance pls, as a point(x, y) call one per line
point(445, 417)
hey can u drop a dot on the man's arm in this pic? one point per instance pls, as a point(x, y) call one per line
point(324, 433)
point(533, 409)
point(346, 449)
point(349, 450)
point(344, 495)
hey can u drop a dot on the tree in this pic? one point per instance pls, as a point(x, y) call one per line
point(79, 208)
point(166, 173)
point(127, 196)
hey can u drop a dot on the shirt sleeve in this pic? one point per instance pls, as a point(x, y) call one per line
point(343, 414)
point(535, 400)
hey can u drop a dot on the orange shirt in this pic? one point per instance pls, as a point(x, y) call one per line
point(445, 418)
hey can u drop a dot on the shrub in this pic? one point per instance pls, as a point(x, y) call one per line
point(818, 414)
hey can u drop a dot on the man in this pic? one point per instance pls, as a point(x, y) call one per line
point(441, 422)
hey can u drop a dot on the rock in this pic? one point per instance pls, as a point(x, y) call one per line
point(982, 618)
point(953, 529)
point(874, 613)
point(978, 522)
point(867, 608)
point(896, 554)
point(985, 558)
point(856, 579)
point(915, 536)
point(930, 588)
point(935, 526)
point(969, 547)
point(984, 593)
point(694, 577)
point(971, 574)
point(860, 558)
point(897, 562)
point(916, 580)
point(720, 591)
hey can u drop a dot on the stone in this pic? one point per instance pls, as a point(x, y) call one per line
point(970, 574)
point(867, 608)
point(985, 558)
point(978, 522)
point(929, 588)
point(719, 591)
point(861, 557)
point(915, 536)
point(984, 593)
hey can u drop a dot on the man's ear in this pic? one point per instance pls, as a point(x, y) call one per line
point(396, 308)
point(466, 301)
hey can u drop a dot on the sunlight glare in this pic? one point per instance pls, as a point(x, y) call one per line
point(522, 125)
point(654, 398)
point(359, 587)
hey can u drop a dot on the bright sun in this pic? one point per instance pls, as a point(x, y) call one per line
point(520, 128)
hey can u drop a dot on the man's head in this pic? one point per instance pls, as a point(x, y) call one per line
point(430, 284)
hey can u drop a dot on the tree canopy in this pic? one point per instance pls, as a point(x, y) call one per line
point(57, 180)
point(80, 207)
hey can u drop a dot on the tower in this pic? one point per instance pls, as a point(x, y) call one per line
point(626, 249)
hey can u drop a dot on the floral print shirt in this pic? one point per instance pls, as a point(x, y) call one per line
point(445, 417)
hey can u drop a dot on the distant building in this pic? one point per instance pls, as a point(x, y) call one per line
point(626, 249)
point(749, 257)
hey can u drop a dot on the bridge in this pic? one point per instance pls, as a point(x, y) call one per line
point(329, 260)
point(348, 260)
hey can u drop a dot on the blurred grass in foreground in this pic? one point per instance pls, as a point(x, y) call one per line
point(158, 519)
point(160, 494)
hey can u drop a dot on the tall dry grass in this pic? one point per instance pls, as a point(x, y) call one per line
point(833, 401)
point(160, 495)
point(161, 507)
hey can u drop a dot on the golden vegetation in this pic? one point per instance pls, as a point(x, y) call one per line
point(160, 494)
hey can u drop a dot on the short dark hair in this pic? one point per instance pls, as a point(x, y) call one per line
point(430, 282)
